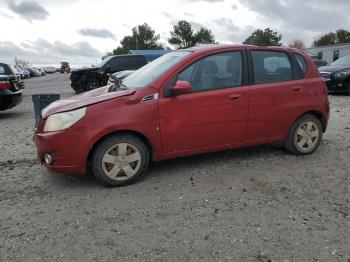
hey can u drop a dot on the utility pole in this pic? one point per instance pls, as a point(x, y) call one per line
point(136, 40)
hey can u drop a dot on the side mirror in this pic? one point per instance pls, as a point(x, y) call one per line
point(107, 69)
point(181, 88)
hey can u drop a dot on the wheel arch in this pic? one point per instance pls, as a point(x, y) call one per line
point(317, 114)
point(129, 132)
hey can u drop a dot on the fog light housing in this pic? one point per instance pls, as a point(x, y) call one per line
point(48, 158)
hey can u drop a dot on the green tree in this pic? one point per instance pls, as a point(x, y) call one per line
point(343, 36)
point(142, 37)
point(338, 37)
point(182, 35)
point(266, 37)
point(326, 39)
point(204, 36)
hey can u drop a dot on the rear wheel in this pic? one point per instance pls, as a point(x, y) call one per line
point(305, 135)
point(348, 90)
point(119, 160)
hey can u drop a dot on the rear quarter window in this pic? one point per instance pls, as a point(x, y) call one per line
point(2, 70)
point(301, 63)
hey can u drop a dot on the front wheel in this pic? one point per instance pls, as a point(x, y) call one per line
point(119, 160)
point(92, 84)
point(305, 135)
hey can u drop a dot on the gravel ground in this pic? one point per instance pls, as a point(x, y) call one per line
point(256, 204)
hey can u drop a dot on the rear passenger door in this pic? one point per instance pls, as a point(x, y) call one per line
point(276, 94)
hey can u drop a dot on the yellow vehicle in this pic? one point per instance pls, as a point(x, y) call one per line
point(64, 67)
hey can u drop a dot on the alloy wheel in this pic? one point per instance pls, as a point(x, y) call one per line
point(121, 161)
point(307, 136)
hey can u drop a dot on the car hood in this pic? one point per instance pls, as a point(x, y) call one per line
point(88, 98)
point(331, 69)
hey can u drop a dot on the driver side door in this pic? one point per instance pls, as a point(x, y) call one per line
point(215, 113)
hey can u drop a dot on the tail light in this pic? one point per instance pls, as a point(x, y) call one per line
point(5, 84)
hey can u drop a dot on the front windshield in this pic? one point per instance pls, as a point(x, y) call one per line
point(104, 61)
point(150, 72)
point(344, 61)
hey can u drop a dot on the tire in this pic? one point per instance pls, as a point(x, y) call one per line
point(113, 168)
point(78, 91)
point(348, 90)
point(305, 135)
point(93, 83)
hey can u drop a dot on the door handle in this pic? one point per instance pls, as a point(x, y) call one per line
point(297, 88)
point(235, 96)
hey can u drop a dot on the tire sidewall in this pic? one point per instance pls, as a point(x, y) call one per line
point(93, 80)
point(97, 156)
point(290, 143)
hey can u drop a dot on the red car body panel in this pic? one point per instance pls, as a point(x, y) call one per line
point(186, 124)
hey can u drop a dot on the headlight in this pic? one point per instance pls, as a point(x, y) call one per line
point(61, 121)
point(342, 74)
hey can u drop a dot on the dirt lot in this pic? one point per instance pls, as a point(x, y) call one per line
point(257, 204)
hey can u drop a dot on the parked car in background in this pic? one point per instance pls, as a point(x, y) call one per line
point(187, 102)
point(10, 91)
point(20, 71)
point(31, 71)
point(65, 68)
point(41, 71)
point(10, 70)
point(50, 70)
point(337, 75)
point(86, 79)
point(26, 71)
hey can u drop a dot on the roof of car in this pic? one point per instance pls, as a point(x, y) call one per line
point(202, 47)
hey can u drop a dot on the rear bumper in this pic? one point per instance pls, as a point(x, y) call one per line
point(9, 99)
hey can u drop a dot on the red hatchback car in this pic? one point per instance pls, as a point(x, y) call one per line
point(192, 101)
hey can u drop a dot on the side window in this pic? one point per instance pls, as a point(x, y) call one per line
point(134, 62)
point(214, 72)
point(2, 70)
point(271, 66)
point(117, 63)
point(319, 55)
point(302, 63)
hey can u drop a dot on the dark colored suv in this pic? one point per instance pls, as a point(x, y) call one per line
point(86, 79)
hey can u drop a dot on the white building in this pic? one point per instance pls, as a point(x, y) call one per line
point(330, 53)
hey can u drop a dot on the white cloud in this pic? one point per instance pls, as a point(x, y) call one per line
point(57, 25)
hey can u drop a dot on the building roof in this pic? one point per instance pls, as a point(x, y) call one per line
point(325, 46)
